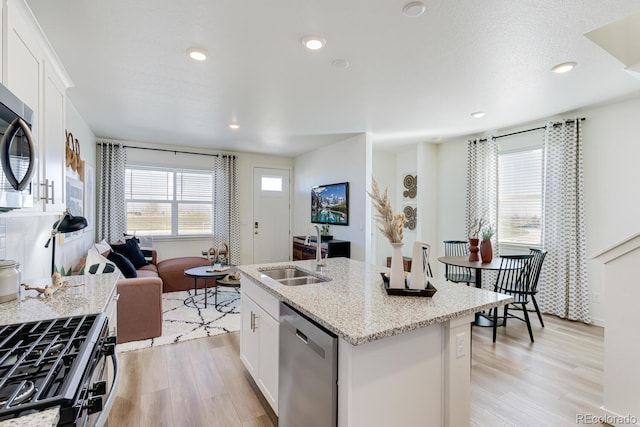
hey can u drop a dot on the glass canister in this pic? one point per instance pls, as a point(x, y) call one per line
point(9, 280)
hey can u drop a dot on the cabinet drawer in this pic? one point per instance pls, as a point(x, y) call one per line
point(268, 302)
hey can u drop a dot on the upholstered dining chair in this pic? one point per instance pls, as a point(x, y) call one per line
point(426, 251)
point(514, 279)
point(454, 273)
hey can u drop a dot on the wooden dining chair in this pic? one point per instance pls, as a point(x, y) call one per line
point(514, 279)
point(536, 267)
point(454, 273)
point(426, 251)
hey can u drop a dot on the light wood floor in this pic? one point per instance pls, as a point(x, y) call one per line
point(514, 383)
point(547, 383)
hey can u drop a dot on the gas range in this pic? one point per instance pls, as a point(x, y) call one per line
point(57, 363)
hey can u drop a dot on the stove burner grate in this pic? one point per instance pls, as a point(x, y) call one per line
point(15, 394)
point(42, 363)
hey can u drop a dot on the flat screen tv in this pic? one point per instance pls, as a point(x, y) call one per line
point(330, 204)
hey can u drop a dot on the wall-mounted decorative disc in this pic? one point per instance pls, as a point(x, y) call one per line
point(411, 214)
point(410, 182)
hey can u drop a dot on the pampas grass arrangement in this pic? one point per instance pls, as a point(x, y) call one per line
point(390, 224)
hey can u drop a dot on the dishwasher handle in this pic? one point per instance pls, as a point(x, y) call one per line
point(306, 338)
point(302, 336)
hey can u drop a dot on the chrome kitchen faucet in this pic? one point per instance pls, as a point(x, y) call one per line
point(319, 261)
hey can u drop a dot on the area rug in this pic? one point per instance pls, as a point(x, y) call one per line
point(185, 318)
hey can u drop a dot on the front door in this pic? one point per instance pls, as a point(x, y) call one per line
point(271, 215)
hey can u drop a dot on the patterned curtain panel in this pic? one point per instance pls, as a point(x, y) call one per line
point(482, 185)
point(112, 217)
point(563, 286)
point(226, 212)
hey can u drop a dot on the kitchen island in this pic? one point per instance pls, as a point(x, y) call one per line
point(401, 360)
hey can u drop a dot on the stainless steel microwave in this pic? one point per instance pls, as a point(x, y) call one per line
point(17, 152)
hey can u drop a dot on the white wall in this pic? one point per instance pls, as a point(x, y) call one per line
point(612, 205)
point(389, 169)
point(169, 247)
point(345, 161)
point(428, 197)
point(406, 163)
point(72, 250)
point(384, 171)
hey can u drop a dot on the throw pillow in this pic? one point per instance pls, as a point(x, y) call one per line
point(124, 265)
point(102, 247)
point(97, 264)
point(131, 250)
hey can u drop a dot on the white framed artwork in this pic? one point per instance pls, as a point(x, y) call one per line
point(89, 199)
point(74, 196)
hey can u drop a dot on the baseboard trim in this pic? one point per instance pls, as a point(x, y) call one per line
point(616, 419)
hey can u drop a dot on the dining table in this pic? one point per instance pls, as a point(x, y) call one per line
point(478, 266)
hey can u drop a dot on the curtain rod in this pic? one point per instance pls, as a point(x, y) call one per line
point(538, 128)
point(172, 151)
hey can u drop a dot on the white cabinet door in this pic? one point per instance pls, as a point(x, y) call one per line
point(269, 332)
point(249, 341)
point(24, 61)
point(53, 142)
point(31, 75)
point(259, 342)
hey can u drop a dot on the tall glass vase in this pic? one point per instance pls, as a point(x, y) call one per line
point(397, 267)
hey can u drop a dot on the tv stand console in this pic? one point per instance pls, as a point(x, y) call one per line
point(330, 248)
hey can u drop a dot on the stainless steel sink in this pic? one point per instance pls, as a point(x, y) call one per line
point(292, 276)
point(297, 281)
point(284, 273)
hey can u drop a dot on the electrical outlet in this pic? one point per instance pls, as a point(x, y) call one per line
point(596, 297)
point(460, 347)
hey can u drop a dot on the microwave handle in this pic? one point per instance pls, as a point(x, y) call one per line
point(5, 146)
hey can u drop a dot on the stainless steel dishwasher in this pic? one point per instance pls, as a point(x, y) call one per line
point(308, 376)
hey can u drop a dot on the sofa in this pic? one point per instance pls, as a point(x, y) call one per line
point(139, 314)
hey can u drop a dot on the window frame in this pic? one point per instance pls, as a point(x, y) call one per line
point(521, 149)
point(174, 202)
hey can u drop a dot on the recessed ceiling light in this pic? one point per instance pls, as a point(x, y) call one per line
point(234, 126)
point(340, 63)
point(477, 114)
point(197, 54)
point(313, 42)
point(414, 9)
point(564, 67)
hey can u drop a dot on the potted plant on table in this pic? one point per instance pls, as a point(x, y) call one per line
point(486, 250)
point(324, 233)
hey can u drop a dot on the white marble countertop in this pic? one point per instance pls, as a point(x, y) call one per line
point(355, 306)
point(89, 298)
point(46, 418)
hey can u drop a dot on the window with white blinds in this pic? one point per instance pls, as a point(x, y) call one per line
point(168, 202)
point(520, 197)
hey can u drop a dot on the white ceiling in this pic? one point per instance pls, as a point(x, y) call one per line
point(410, 79)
